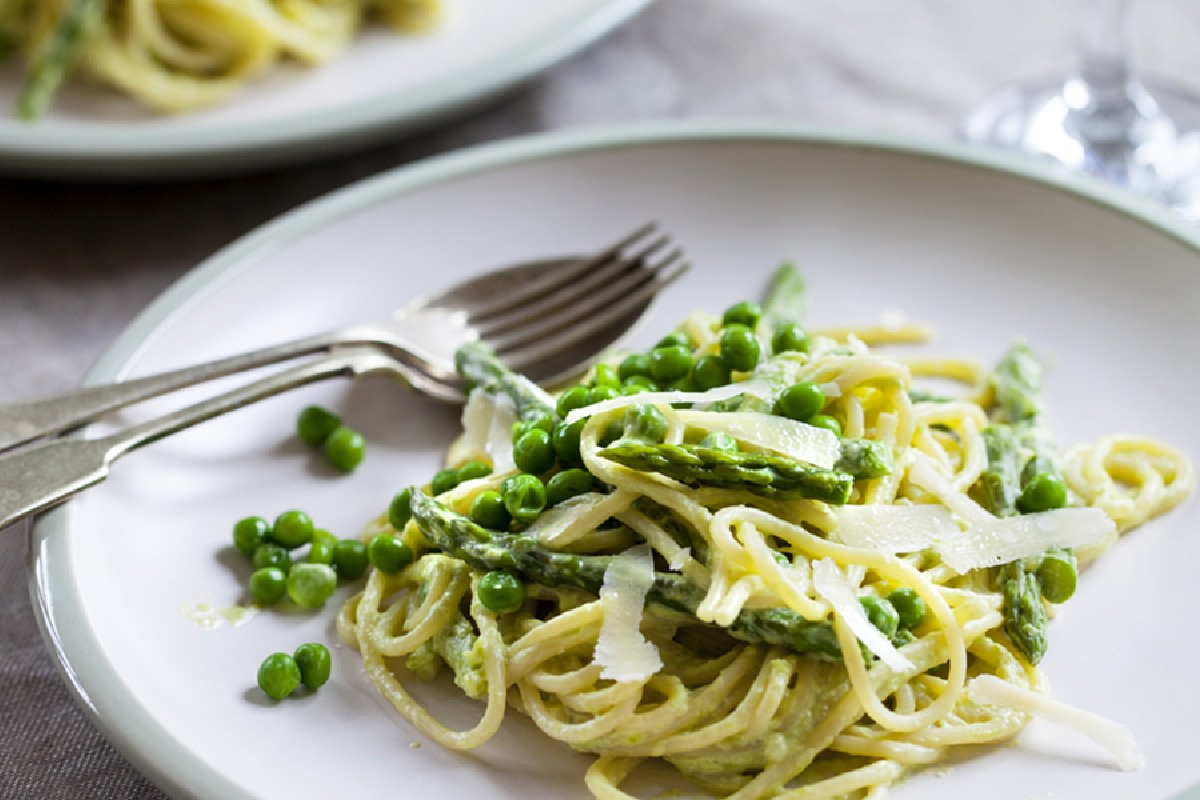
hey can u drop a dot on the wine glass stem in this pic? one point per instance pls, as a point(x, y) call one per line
point(1111, 109)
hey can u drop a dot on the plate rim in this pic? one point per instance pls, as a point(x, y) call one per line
point(76, 652)
point(99, 153)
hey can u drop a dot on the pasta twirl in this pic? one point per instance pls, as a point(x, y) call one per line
point(181, 55)
point(803, 642)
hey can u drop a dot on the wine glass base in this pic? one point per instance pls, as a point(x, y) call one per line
point(1152, 148)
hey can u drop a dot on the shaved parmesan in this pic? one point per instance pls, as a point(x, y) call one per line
point(621, 650)
point(752, 387)
point(925, 474)
point(1112, 736)
point(487, 428)
point(577, 516)
point(779, 434)
point(894, 529)
point(987, 542)
point(837, 591)
point(999, 541)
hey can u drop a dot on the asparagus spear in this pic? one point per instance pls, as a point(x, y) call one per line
point(483, 549)
point(479, 367)
point(864, 458)
point(1017, 385)
point(48, 71)
point(999, 485)
point(1025, 617)
point(787, 296)
point(763, 474)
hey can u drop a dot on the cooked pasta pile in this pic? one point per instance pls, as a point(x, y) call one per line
point(181, 55)
point(778, 607)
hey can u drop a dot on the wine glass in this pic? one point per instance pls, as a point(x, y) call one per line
point(1104, 120)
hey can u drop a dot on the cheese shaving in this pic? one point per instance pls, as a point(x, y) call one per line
point(487, 429)
point(756, 388)
point(987, 542)
point(788, 437)
point(837, 591)
point(621, 650)
point(1112, 736)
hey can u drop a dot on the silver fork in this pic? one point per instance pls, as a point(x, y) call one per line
point(548, 320)
point(587, 303)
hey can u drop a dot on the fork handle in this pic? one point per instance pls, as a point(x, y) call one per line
point(32, 419)
point(45, 475)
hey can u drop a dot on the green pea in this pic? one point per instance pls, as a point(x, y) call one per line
point(321, 549)
point(1058, 574)
point(800, 401)
point(534, 453)
point(473, 470)
point(910, 607)
point(310, 585)
point(827, 422)
point(710, 372)
point(790, 338)
point(744, 313)
point(684, 384)
point(605, 375)
point(636, 364)
point(249, 533)
point(669, 364)
point(614, 430)
point(719, 440)
point(739, 348)
point(539, 421)
point(400, 509)
point(645, 381)
point(645, 421)
point(601, 393)
point(350, 558)
point(903, 636)
point(634, 388)
point(444, 480)
point(278, 676)
point(567, 484)
point(500, 592)
point(315, 423)
point(881, 613)
point(566, 441)
point(345, 449)
point(542, 420)
point(388, 554)
point(272, 555)
point(524, 497)
point(1045, 491)
point(268, 585)
point(571, 399)
point(292, 529)
point(487, 509)
point(675, 339)
point(314, 663)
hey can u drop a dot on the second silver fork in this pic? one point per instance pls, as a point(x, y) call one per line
point(545, 318)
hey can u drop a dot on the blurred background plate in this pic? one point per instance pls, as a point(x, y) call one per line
point(987, 250)
point(384, 84)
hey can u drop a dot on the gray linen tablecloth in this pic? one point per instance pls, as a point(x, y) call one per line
point(77, 262)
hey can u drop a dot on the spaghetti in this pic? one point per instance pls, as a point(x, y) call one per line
point(182, 55)
point(798, 647)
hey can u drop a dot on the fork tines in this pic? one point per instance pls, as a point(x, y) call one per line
point(573, 301)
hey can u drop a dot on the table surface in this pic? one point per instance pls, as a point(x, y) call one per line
point(78, 261)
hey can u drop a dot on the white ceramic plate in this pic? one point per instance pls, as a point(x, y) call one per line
point(383, 84)
point(985, 250)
